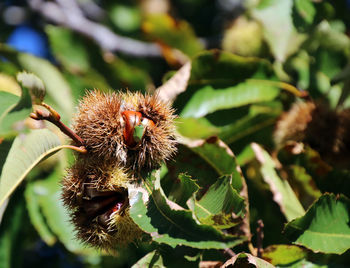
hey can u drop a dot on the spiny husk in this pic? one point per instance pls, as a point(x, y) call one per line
point(326, 131)
point(103, 177)
point(100, 124)
point(121, 231)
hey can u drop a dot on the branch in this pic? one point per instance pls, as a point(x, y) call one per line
point(52, 116)
point(67, 13)
point(260, 238)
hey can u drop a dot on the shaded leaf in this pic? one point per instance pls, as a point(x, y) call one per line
point(245, 259)
point(283, 194)
point(283, 254)
point(36, 216)
point(217, 67)
point(25, 153)
point(152, 259)
point(174, 226)
point(11, 233)
point(325, 226)
point(245, 126)
point(221, 206)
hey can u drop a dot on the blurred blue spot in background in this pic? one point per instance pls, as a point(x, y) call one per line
point(26, 39)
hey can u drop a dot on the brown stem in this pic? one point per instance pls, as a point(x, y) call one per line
point(229, 252)
point(260, 238)
point(52, 116)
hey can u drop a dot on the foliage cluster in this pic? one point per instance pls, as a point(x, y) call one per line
point(230, 196)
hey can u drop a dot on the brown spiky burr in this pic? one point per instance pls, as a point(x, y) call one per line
point(325, 130)
point(130, 128)
point(97, 197)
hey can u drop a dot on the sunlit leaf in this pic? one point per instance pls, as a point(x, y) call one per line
point(25, 153)
point(14, 109)
point(8, 84)
point(283, 254)
point(325, 226)
point(152, 259)
point(57, 87)
point(221, 206)
point(246, 260)
point(166, 223)
point(176, 34)
point(208, 100)
point(306, 10)
point(283, 194)
point(279, 32)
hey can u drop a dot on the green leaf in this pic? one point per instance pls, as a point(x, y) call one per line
point(283, 194)
point(14, 111)
point(220, 68)
point(11, 232)
point(68, 48)
point(126, 18)
point(169, 224)
point(279, 32)
point(283, 254)
point(216, 154)
point(246, 260)
point(182, 189)
point(35, 214)
point(152, 259)
point(306, 185)
point(7, 102)
point(176, 34)
point(306, 10)
point(25, 153)
point(221, 206)
point(48, 193)
point(325, 226)
point(34, 84)
point(245, 126)
point(57, 87)
point(208, 100)
point(196, 128)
